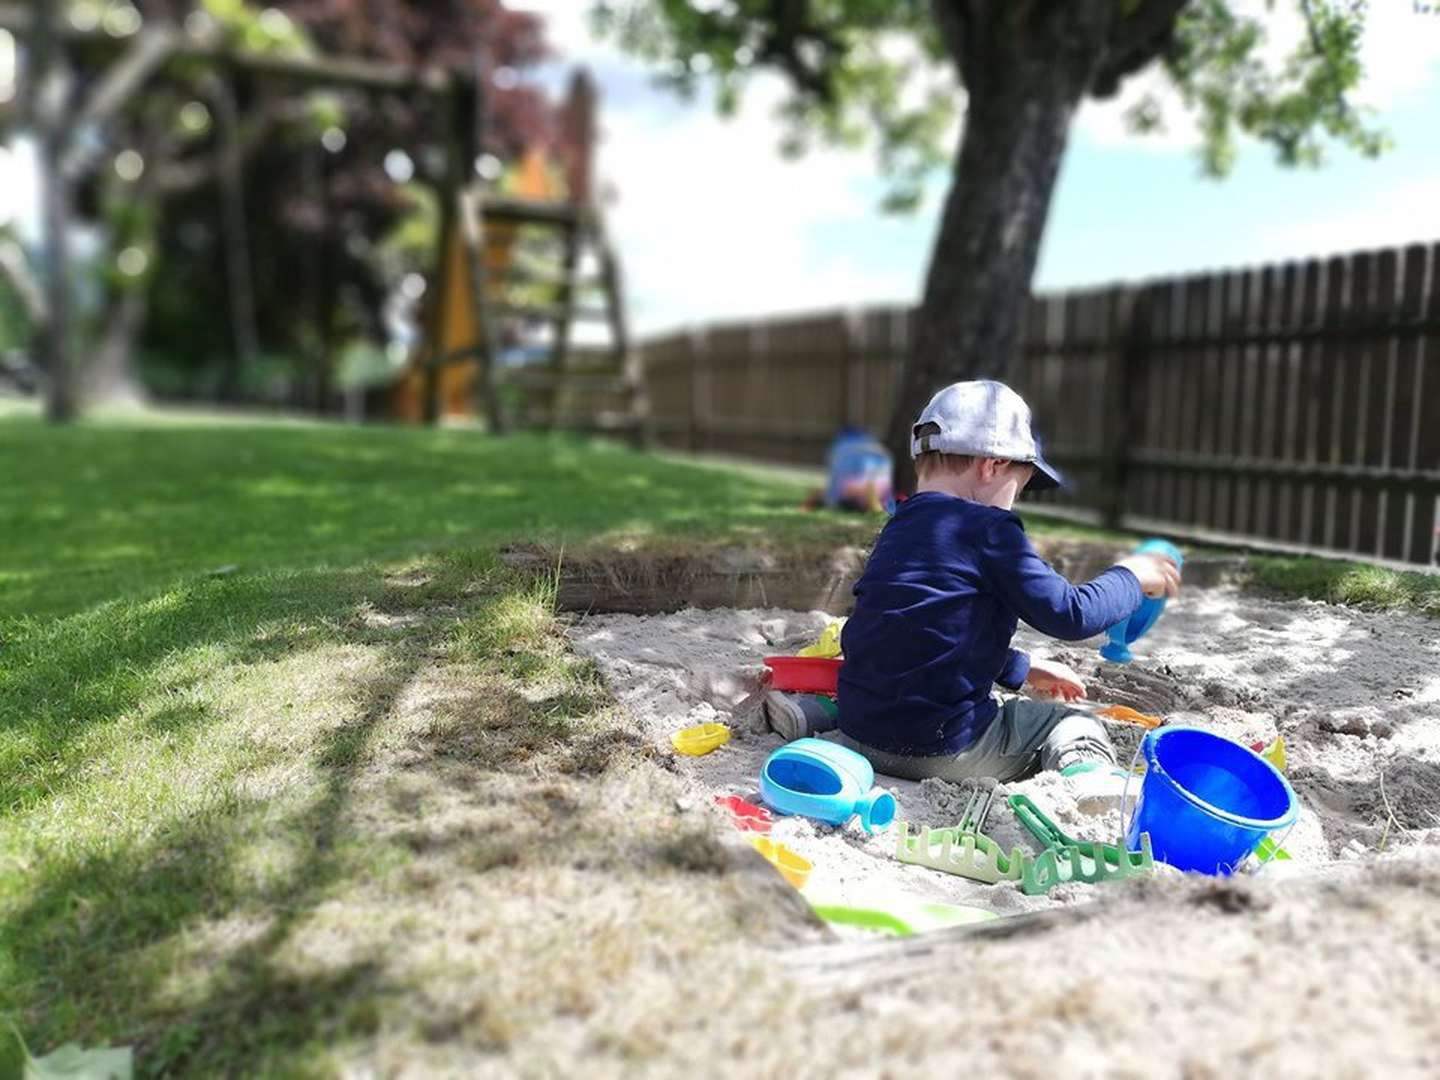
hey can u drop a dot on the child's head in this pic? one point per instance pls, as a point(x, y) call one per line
point(974, 440)
point(987, 480)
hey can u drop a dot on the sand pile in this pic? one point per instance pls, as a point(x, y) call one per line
point(1355, 696)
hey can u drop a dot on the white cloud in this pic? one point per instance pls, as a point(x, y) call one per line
point(1401, 55)
point(567, 28)
point(710, 221)
point(1390, 217)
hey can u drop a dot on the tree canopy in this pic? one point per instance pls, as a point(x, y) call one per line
point(878, 72)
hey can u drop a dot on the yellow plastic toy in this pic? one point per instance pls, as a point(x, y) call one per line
point(1274, 753)
point(794, 868)
point(827, 645)
point(700, 739)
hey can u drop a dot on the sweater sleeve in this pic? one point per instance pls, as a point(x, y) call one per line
point(1019, 576)
point(1015, 671)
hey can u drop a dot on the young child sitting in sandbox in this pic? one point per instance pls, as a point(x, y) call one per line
point(937, 605)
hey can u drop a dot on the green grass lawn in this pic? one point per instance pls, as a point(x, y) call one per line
point(1338, 581)
point(114, 509)
point(98, 511)
point(300, 822)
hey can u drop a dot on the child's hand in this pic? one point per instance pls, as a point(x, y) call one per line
point(1157, 574)
point(1052, 679)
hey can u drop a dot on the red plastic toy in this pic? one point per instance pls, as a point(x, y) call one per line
point(746, 816)
point(803, 674)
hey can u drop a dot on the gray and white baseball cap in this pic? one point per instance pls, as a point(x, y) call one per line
point(983, 418)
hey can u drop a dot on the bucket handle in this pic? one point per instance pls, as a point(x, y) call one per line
point(1275, 849)
point(1125, 793)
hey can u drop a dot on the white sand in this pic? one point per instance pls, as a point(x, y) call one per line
point(1354, 695)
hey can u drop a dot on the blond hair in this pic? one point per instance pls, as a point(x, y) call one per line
point(934, 463)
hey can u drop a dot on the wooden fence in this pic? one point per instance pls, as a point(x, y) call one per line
point(1297, 404)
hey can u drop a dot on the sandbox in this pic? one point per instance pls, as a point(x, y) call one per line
point(1354, 695)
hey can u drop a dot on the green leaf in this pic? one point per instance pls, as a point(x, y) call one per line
point(1299, 106)
point(72, 1062)
point(858, 72)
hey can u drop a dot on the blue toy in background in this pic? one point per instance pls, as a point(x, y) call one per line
point(826, 781)
point(860, 473)
point(1124, 634)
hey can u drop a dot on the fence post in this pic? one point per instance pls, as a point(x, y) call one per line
point(851, 397)
point(699, 390)
point(1131, 317)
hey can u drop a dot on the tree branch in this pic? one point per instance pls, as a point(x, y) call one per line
point(371, 75)
point(963, 25)
point(950, 18)
point(1313, 29)
point(179, 177)
point(16, 270)
point(793, 27)
point(1138, 39)
point(149, 51)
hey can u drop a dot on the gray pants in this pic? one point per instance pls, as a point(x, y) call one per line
point(1024, 738)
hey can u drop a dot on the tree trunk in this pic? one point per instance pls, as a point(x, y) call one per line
point(49, 92)
point(329, 282)
point(245, 337)
point(968, 324)
point(111, 378)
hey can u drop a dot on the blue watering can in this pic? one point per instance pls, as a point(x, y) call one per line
point(825, 781)
point(1125, 633)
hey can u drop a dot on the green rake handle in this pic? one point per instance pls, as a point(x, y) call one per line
point(1040, 826)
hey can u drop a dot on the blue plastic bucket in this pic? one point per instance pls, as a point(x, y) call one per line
point(1206, 801)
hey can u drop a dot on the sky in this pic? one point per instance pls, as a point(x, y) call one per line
point(712, 223)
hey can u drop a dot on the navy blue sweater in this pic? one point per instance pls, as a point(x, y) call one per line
point(934, 614)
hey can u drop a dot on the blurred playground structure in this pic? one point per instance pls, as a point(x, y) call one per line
point(534, 258)
point(520, 250)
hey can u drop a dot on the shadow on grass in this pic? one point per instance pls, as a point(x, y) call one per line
point(81, 945)
point(101, 947)
point(63, 679)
